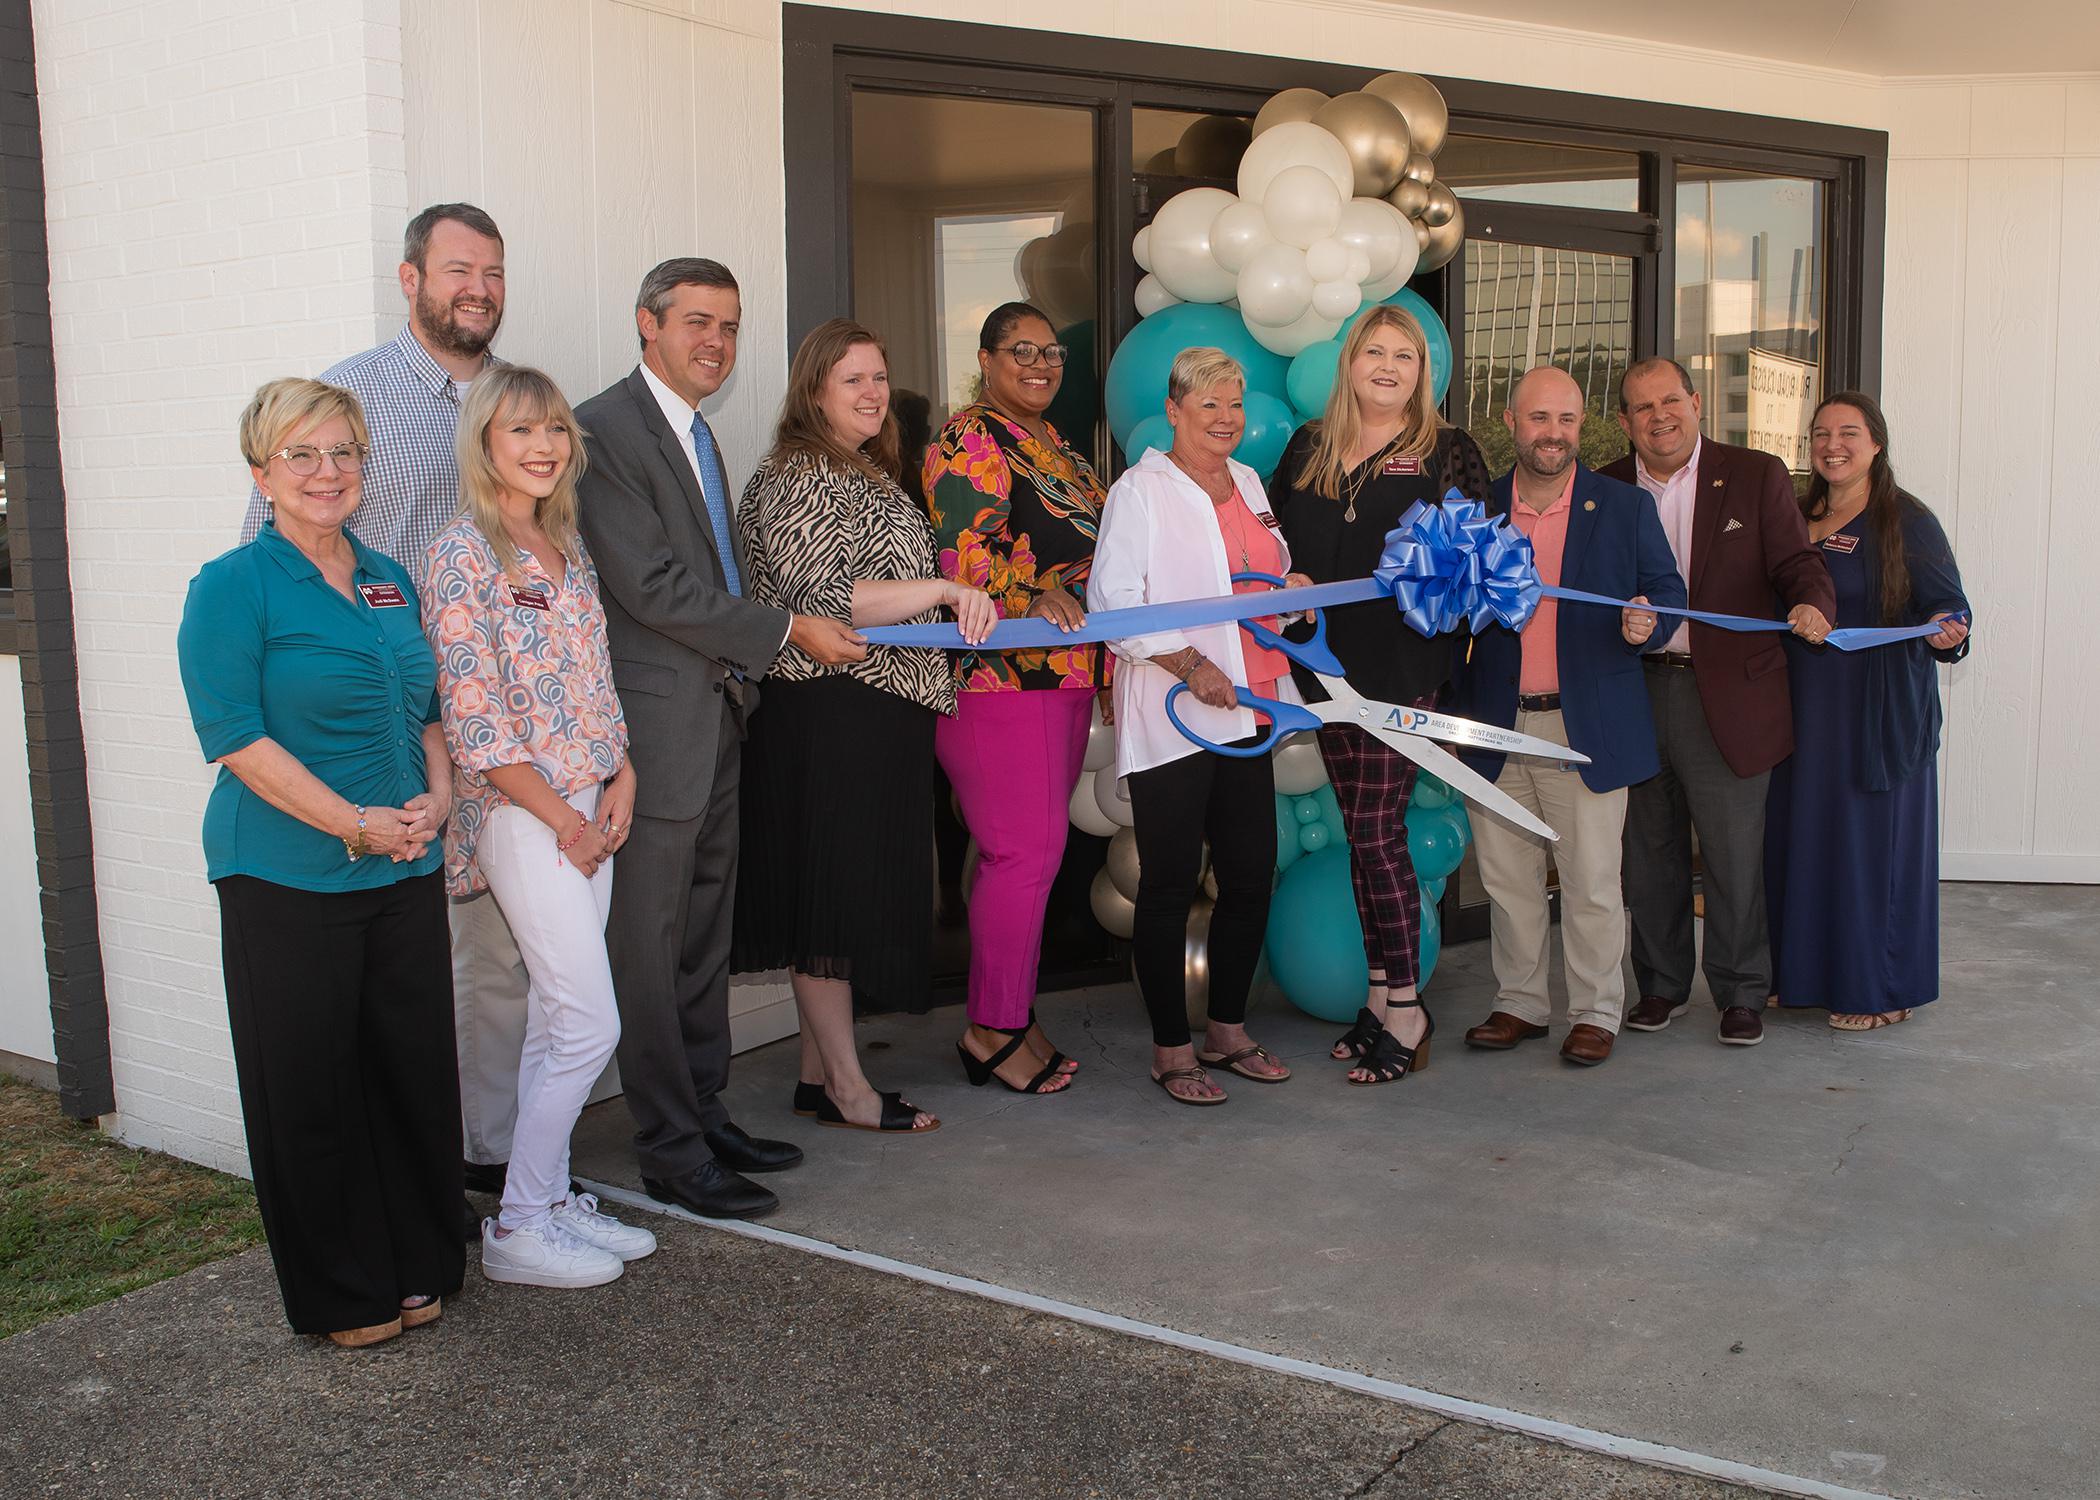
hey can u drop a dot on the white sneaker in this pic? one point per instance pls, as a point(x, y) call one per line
point(580, 1217)
point(545, 1254)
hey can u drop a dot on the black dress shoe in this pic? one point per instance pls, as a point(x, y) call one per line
point(713, 1192)
point(484, 1178)
point(736, 1149)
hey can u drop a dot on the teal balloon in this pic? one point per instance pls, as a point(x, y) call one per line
point(1306, 809)
point(1436, 844)
point(1433, 891)
point(1270, 423)
point(1429, 792)
point(1287, 850)
point(1461, 820)
point(1313, 837)
point(1137, 376)
point(1439, 337)
point(1154, 432)
point(1432, 947)
point(1316, 947)
point(1312, 376)
point(1330, 805)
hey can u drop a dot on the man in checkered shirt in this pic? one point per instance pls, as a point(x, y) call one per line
point(411, 388)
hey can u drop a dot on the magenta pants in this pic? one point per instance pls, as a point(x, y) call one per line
point(1014, 758)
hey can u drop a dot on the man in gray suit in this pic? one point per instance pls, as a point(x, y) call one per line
point(687, 649)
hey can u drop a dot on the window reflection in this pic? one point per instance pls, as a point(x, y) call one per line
point(1530, 305)
point(1185, 143)
point(1750, 285)
point(1476, 166)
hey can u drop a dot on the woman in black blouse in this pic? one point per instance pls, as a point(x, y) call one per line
point(1344, 482)
point(836, 877)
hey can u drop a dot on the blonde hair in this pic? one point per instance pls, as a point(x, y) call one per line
point(281, 409)
point(504, 393)
point(1341, 425)
point(1201, 368)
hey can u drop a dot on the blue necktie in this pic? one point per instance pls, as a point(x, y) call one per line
point(717, 502)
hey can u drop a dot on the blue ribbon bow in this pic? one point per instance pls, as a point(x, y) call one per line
point(1450, 564)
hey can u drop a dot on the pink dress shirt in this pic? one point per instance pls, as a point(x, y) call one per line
point(1548, 530)
point(1676, 498)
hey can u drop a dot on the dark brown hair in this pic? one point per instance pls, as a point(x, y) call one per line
point(1887, 506)
point(803, 428)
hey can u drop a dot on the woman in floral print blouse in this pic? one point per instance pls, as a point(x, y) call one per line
point(1015, 508)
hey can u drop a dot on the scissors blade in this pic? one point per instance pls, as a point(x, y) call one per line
point(1454, 730)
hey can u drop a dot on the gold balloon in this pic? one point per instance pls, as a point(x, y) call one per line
point(1409, 197)
point(1374, 134)
point(1112, 909)
point(1212, 147)
point(1195, 964)
point(1440, 244)
point(1420, 169)
point(1441, 207)
point(1291, 104)
point(1428, 117)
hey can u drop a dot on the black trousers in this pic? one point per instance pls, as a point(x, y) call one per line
point(341, 1004)
point(1175, 807)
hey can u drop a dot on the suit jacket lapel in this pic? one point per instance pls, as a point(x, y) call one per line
point(677, 454)
point(1582, 522)
point(1709, 499)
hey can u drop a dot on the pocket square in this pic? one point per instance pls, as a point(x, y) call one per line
point(1733, 525)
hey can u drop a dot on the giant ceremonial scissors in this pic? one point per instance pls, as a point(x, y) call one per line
point(1411, 731)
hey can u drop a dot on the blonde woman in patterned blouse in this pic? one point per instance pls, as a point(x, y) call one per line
point(836, 865)
point(544, 794)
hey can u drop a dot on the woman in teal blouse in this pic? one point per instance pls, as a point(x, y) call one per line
point(311, 684)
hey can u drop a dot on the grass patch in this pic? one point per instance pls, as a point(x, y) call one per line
point(84, 1219)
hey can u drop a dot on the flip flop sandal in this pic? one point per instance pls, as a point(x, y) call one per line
point(1196, 1075)
point(1233, 1062)
point(1840, 1022)
point(1358, 1038)
point(897, 1117)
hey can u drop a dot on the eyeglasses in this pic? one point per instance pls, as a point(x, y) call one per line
point(1027, 354)
point(305, 460)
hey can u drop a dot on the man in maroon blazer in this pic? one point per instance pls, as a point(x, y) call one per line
point(1719, 700)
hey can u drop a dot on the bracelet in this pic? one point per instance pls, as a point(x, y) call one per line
point(565, 845)
point(355, 848)
point(1189, 664)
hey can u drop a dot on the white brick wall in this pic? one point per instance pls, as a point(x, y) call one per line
point(226, 196)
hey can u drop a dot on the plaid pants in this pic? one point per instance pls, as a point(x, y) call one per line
point(1372, 784)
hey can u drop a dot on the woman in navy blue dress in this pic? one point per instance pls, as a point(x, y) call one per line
point(1852, 826)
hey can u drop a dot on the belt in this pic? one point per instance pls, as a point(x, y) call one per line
point(1681, 659)
point(1538, 703)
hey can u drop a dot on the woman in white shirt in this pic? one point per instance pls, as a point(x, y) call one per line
point(1177, 526)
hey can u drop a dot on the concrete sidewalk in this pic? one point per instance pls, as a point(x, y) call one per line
point(719, 1367)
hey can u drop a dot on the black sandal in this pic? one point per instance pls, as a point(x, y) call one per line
point(1358, 1038)
point(983, 1071)
point(897, 1117)
point(809, 1098)
point(1387, 1060)
point(1057, 1058)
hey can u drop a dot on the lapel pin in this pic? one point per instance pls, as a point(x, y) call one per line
point(1718, 483)
point(1589, 505)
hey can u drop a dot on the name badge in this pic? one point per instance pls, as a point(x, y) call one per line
point(1401, 466)
point(1839, 542)
point(526, 598)
point(383, 595)
point(1268, 519)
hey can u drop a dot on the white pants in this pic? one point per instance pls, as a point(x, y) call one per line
point(1592, 909)
point(572, 1024)
point(489, 1007)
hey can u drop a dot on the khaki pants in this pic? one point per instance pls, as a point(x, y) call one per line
point(1592, 910)
point(489, 1012)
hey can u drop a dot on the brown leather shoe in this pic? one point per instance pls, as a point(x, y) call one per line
point(1587, 1045)
point(1741, 1027)
point(1653, 1013)
point(1502, 1031)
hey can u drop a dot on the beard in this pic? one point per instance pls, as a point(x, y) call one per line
point(438, 320)
point(1545, 464)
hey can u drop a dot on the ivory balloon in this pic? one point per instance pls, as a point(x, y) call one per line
point(1212, 146)
point(1298, 768)
point(1286, 107)
point(1086, 813)
point(1122, 863)
point(1420, 169)
point(1307, 329)
point(1181, 256)
point(1275, 289)
point(1410, 197)
point(1337, 300)
point(1195, 963)
point(1112, 799)
point(1374, 133)
point(973, 859)
point(1295, 143)
point(1442, 243)
point(1443, 203)
point(1239, 230)
point(1302, 206)
point(1112, 909)
point(1151, 296)
point(1141, 248)
point(1358, 271)
point(1428, 117)
point(1326, 260)
point(1100, 747)
point(1403, 267)
point(1368, 226)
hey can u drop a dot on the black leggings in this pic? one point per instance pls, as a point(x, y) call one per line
point(1232, 802)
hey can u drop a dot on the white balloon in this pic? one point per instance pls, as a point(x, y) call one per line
point(1100, 747)
point(1112, 798)
point(1151, 296)
point(1141, 248)
point(1295, 143)
point(1403, 268)
point(1298, 768)
point(1337, 299)
point(1294, 338)
point(1359, 268)
point(1302, 205)
point(1087, 816)
point(1180, 246)
point(1326, 260)
point(1237, 233)
point(1112, 909)
point(1275, 288)
point(1374, 227)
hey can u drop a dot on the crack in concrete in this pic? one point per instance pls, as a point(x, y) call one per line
point(1851, 1141)
point(1393, 1464)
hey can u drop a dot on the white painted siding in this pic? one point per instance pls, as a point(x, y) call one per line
point(25, 1001)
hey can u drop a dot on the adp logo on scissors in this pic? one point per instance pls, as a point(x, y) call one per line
point(1406, 720)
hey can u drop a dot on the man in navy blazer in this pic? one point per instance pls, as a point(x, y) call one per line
point(1574, 677)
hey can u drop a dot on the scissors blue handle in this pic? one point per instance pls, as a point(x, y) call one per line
point(1284, 718)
